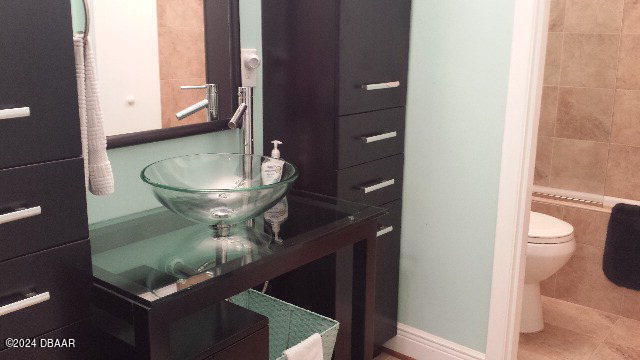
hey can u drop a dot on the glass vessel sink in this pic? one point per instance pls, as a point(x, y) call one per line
point(216, 189)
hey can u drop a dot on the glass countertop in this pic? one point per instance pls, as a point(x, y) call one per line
point(155, 253)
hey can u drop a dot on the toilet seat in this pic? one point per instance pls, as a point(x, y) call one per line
point(545, 229)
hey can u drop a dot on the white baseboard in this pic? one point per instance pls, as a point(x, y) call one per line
point(424, 346)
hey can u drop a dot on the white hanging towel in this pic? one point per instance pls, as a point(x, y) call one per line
point(97, 168)
point(310, 349)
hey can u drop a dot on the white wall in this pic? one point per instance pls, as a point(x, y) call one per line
point(126, 46)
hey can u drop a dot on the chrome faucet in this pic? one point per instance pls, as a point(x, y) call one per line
point(210, 102)
point(243, 117)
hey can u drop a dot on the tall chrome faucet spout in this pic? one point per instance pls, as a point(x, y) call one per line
point(237, 118)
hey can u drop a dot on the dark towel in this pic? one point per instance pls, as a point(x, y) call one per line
point(621, 262)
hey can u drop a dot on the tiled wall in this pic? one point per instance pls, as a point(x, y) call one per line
point(582, 281)
point(182, 58)
point(589, 134)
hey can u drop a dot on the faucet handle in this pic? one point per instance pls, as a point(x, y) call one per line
point(211, 87)
point(192, 87)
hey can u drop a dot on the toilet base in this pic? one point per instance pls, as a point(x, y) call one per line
point(531, 320)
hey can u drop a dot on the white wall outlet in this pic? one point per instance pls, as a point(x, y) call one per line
point(250, 64)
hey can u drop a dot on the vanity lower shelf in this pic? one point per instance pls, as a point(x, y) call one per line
point(219, 331)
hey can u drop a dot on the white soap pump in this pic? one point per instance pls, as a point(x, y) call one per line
point(272, 168)
point(275, 153)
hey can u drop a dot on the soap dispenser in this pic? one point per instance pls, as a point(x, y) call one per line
point(272, 168)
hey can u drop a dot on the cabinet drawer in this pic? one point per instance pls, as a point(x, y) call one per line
point(38, 73)
point(375, 183)
point(63, 272)
point(387, 274)
point(374, 44)
point(254, 346)
point(41, 206)
point(370, 136)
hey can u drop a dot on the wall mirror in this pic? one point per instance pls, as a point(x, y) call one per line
point(146, 50)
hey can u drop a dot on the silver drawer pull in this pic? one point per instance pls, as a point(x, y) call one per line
point(378, 186)
point(24, 303)
point(382, 86)
point(370, 139)
point(14, 113)
point(20, 214)
point(384, 231)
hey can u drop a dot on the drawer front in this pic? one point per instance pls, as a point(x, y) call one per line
point(41, 206)
point(387, 274)
point(375, 183)
point(370, 136)
point(254, 346)
point(38, 73)
point(72, 342)
point(56, 282)
point(374, 48)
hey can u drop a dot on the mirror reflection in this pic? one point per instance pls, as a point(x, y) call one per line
point(146, 50)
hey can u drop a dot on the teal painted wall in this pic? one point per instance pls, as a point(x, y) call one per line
point(458, 72)
point(131, 194)
point(77, 15)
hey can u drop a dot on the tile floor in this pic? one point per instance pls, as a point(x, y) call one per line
point(576, 332)
point(385, 356)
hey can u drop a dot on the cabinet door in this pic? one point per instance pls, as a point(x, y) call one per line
point(374, 48)
point(41, 206)
point(37, 70)
point(45, 290)
point(370, 136)
point(387, 274)
point(373, 183)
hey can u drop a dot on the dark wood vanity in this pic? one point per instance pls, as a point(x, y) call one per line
point(335, 81)
point(140, 295)
point(335, 75)
point(44, 251)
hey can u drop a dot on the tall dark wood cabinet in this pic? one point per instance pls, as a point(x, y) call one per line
point(335, 81)
point(44, 251)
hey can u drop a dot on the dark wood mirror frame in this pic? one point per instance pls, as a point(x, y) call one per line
point(222, 46)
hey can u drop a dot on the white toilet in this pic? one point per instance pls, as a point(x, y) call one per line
point(549, 246)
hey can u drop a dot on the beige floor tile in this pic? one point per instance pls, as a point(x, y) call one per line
point(608, 351)
point(557, 343)
point(548, 287)
point(530, 351)
point(630, 307)
point(580, 319)
point(626, 333)
point(385, 356)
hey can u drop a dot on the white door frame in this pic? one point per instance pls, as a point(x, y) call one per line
point(528, 49)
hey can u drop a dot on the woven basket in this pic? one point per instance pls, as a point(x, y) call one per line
point(289, 324)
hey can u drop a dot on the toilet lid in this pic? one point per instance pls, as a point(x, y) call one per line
point(547, 229)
